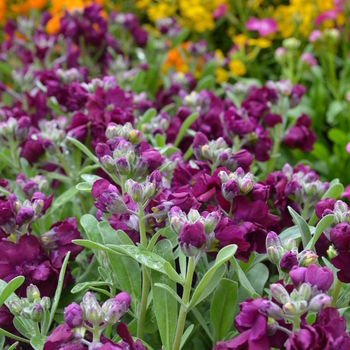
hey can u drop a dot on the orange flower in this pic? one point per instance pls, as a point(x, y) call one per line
point(53, 25)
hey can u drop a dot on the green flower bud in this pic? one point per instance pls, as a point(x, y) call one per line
point(15, 307)
point(32, 293)
point(37, 313)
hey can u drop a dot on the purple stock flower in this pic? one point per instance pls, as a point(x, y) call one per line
point(340, 236)
point(58, 241)
point(297, 275)
point(264, 26)
point(27, 259)
point(328, 333)
point(62, 337)
point(192, 237)
point(342, 262)
point(254, 330)
point(184, 199)
point(288, 260)
point(321, 277)
point(73, 315)
point(323, 205)
point(300, 136)
point(107, 197)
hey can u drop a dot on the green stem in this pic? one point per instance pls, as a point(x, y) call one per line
point(185, 299)
point(145, 280)
point(36, 328)
point(14, 154)
point(276, 148)
point(296, 323)
point(336, 292)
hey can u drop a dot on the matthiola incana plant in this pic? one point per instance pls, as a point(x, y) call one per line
point(172, 175)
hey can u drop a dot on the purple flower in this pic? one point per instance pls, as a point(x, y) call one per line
point(24, 216)
point(321, 277)
point(288, 260)
point(62, 337)
point(264, 26)
point(192, 236)
point(297, 275)
point(323, 205)
point(272, 119)
point(107, 197)
point(184, 199)
point(27, 259)
point(315, 35)
point(308, 59)
point(342, 262)
point(73, 315)
point(340, 236)
point(260, 192)
point(58, 241)
point(300, 136)
point(252, 325)
point(328, 333)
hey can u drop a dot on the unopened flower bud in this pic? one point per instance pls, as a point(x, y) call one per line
point(45, 303)
point(94, 315)
point(193, 215)
point(111, 131)
point(135, 137)
point(340, 206)
point(272, 239)
point(288, 260)
point(280, 54)
point(15, 307)
point(246, 185)
point(319, 302)
point(24, 302)
point(333, 34)
point(289, 244)
point(206, 152)
point(32, 293)
point(331, 253)
point(192, 237)
point(22, 129)
point(37, 313)
point(272, 310)
point(122, 166)
point(26, 313)
point(230, 190)
point(134, 190)
point(287, 170)
point(73, 315)
point(38, 206)
point(291, 43)
point(279, 293)
point(291, 308)
point(308, 257)
point(211, 222)
point(109, 163)
point(273, 255)
point(305, 291)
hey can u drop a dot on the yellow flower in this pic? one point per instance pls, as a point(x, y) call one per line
point(221, 75)
point(240, 39)
point(160, 10)
point(260, 42)
point(237, 67)
point(142, 4)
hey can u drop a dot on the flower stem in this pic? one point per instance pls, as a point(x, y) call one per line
point(296, 323)
point(185, 299)
point(145, 280)
point(276, 148)
point(36, 328)
point(336, 292)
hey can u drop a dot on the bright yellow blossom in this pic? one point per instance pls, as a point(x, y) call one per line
point(240, 40)
point(221, 75)
point(263, 43)
point(237, 67)
point(160, 10)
